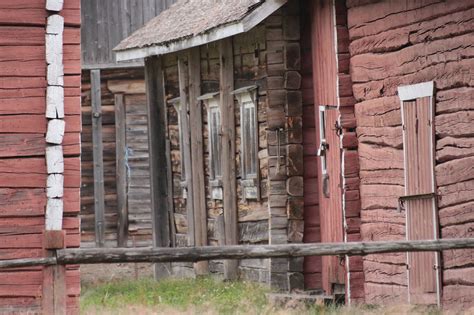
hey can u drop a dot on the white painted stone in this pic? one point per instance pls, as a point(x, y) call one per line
point(55, 102)
point(55, 159)
point(55, 186)
point(54, 214)
point(54, 5)
point(55, 133)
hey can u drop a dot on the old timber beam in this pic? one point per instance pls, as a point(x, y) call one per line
point(129, 255)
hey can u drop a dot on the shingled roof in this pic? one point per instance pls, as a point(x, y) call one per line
point(189, 23)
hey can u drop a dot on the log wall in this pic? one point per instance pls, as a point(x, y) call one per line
point(267, 56)
point(22, 155)
point(130, 83)
point(401, 43)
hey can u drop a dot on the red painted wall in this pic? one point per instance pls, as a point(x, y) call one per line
point(22, 148)
point(394, 43)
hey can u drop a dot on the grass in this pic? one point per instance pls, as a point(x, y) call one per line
point(182, 295)
point(210, 296)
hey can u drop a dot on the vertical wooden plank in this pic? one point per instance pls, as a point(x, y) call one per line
point(186, 154)
point(228, 152)
point(97, 152)
point(124, 21)
point(54, 290)
point(170, 194)
point(156, 109)
point(325, 93)
point(136, 14)
point(121, 170)
point(197, 154)
point(149, 10)
point(421, 214)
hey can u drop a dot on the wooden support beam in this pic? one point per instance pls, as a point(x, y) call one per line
point(121, 170)
point(132, 255)
point(54, 290)
point(228, 152)
point(186, 147)
point(197, 155)
point(156, 108)
point(97, 152)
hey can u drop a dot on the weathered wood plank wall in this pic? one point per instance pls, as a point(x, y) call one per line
point(406, 43)
point(107, 22)
point(22, 156)
point(129, 83)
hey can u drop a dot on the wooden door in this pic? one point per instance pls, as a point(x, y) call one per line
point(330, 195)
point(419, 201)
point(328, 183)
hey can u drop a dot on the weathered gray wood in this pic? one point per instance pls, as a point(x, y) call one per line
point(197, 154)
point(186, 153)
point(129, 255)
point(156, 108)
point(97, 152)
point(169, 180)
point(228, 152)
point(121, 171)
point(106, 22)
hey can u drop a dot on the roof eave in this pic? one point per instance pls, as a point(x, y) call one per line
point(228, 30)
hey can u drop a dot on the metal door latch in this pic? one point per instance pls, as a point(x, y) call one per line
point(323, 147)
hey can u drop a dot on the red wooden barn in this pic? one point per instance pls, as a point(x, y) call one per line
point(308, 121)
point(40, 124)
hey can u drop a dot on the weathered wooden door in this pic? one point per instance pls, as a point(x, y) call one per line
point(330, 195)
point(419, 201)
point(325, 83)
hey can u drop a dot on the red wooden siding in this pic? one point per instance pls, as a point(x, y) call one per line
point(22, 141)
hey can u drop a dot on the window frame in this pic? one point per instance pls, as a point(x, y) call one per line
point(250, 181)
point(212, 103)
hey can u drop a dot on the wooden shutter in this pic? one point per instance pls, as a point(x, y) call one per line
point(419, 201)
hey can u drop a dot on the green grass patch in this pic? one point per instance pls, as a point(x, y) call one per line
point(202, 294)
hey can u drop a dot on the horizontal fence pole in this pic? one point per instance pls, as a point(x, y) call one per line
point(28, 262)
point(192, 254)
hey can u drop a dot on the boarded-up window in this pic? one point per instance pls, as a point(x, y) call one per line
point(211, 100)
point(419, 201)
point(249, 142)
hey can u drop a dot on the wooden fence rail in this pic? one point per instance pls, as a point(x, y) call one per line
point(155, 255)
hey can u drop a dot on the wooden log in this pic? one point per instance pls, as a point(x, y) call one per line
point(186, 154)
point(228, 151)
point(55, 132)
point(121, 255)
point(98, 158)
point(54, 5)
point(121, 170)
point(55, 186)
point(55, 102)
point(451, 148)
point(54, 159)
point(199, 195)
point(455, 171)
point(54, 214)
point(157, 124)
